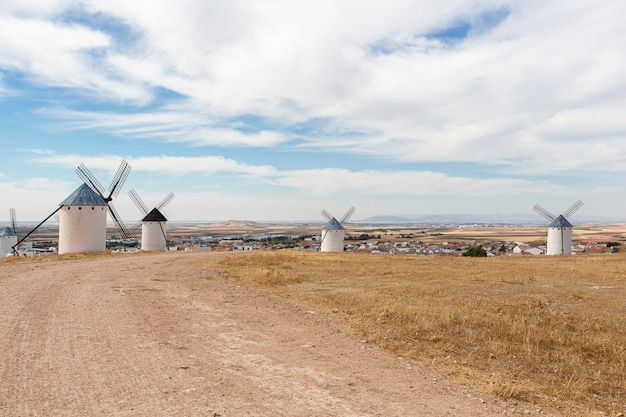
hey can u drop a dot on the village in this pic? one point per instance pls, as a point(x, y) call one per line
point(390, 245)
point(410, 240)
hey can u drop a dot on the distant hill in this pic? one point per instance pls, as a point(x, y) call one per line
point(239, 224)
point(493, 218)
point(386, 219)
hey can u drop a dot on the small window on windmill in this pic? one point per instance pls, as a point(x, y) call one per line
point(80, 208)
point(93, 208)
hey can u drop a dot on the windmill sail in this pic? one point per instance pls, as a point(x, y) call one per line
point(165, 201)
point(545, 213)
point(13, 220)
point(33, 230)
point(327, 215)
point(348, 214)
point(573, 209)
point(138, 201)
point(113, 191)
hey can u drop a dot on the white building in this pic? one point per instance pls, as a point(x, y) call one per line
point(82, 222)
point(8, 239)
point(560, 237)
point(332, 236)
point(153, 236)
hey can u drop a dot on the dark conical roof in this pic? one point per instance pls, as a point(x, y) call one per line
point(83, 196)
point(154, 216)
point(560, 222)
point(8, 232)
point(333, 224)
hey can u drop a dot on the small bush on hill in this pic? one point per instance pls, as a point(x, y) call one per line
point(475, 251)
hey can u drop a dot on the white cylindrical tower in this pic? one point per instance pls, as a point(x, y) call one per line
point(332, 236)
point(8, 239)
point(560, 237)
point(153, 236)
point(82, 222)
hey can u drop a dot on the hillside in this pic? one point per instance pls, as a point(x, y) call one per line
point(167, 335)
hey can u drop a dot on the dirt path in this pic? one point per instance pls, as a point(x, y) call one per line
point(165, 335)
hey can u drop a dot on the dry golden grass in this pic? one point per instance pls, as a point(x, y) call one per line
point(544, 330)
point(78, 256)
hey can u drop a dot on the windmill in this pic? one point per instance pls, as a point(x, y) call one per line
point(333, 232)
point(85, 230)
point(8, 237)
point(560, 229)
point(153, 236)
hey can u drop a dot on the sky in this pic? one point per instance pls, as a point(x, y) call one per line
point(274, 110)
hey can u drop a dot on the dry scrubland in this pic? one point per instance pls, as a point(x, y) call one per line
point(545, 330)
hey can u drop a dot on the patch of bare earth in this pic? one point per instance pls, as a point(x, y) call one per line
point(166, 335)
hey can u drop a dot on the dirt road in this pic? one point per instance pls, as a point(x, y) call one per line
point(166, 335)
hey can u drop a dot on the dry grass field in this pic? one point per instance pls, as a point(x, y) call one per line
point(542, 330)
point(589, 233)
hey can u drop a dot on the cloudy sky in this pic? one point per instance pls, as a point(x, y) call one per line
point(275, 109)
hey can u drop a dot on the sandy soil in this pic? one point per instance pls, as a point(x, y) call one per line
point(167, 335)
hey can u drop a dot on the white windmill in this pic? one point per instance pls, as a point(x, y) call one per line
point(333, 232)
point(82, 220)
point(82, 215)
point(560, 229)
point(153, 224)
point(8, 237)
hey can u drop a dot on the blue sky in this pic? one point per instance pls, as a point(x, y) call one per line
point(274, 110)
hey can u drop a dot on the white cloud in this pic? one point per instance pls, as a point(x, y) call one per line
point(3, 89)
point(42, 8)
point(168, 165)
point(483, 100)
point(45, 184)
point(58, 54)
point(273, 193)
point(324, 182)
point(406, 183)
point(33, 198)
point(206, 165)
point(540, 95)
point(184, 124)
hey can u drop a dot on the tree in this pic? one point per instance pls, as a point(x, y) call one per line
point(475, 251)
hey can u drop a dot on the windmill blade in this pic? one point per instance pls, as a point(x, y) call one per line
point(545, 213)
point(13, 219)
point(134, 231)
point(323, 237)
point(89, 179)
point(33, 230)
point(576, 236)
point(138, 201)
point(347, 215)
point(573, 209)
point(164, 236)
point(119, 179)
point(327, 215)
point(165, 201)
point(118, 221)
